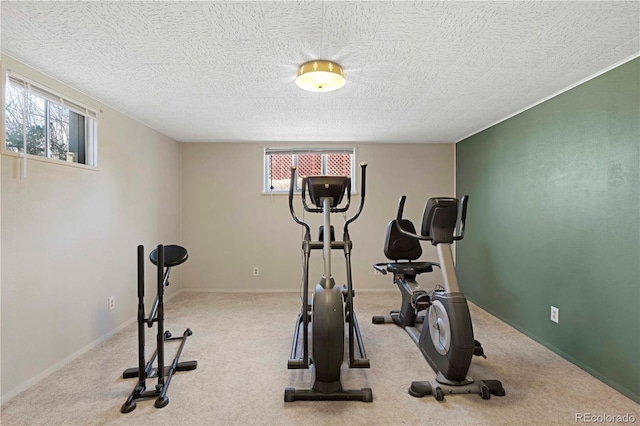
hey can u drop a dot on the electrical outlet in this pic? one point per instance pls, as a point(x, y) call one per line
point(256, 271)
point(112, 303)
point(555, 314)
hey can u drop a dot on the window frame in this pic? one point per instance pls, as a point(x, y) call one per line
point(14, 79)
point(266, 182)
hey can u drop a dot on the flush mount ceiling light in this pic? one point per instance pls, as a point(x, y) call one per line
point(320, 76)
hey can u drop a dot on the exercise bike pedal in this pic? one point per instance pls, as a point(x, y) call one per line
point(420, 301)
point(422, 305)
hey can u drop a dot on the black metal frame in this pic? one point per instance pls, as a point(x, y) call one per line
point(145, 369)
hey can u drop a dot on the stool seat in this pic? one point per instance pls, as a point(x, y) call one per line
point(410, 268)
point(173, 256)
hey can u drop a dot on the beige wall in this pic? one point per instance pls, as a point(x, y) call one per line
point(69, 238)
point(229, 226)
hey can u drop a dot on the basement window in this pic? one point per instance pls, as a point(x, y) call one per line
point(46, 124)
point(309, 162)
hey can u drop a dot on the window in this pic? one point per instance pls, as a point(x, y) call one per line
point(46, 124)
point(310, 162)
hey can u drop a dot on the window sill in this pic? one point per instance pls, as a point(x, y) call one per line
point(50, 160)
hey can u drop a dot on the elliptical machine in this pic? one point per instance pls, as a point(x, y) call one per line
point(331, 305)
point(444, 333)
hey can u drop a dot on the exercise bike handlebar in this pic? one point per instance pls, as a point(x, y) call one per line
point(463, 218)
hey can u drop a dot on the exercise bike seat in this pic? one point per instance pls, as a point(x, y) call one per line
point(410, 268)
point(173, 256)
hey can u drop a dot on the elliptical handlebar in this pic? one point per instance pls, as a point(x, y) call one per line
point(363, 185)
point(463, 217)
point(303, 193)
point(291, 209)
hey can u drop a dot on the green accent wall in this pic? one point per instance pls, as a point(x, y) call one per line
point(554, 219)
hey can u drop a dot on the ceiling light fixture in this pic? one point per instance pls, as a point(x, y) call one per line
point(320, 76)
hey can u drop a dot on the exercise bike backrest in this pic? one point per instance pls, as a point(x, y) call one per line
point(439, 220)
point(399, 246)
point(333, 187)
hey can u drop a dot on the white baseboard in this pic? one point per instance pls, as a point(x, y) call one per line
point(262, 290)
point(237, 290)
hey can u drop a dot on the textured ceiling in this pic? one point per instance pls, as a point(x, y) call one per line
point(416, 71)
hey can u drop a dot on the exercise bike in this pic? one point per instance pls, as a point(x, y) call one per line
point(331, 305)
point(444, 332)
